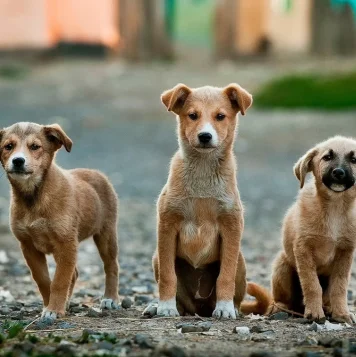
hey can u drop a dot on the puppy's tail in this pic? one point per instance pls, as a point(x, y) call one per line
point(262, 302)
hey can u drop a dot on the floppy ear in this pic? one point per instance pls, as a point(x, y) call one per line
point(304, 165)
point(239, 97)
point(175, 98)
point(57, 135)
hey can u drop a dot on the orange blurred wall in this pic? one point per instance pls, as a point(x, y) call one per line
point(42, 23)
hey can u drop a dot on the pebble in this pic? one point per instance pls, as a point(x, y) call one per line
point(314, 327)
point(25, 346)
point(142, 299)
point(308, 341)
point(350, 295)
point(200, 327)
point(174, 351)
point(144, 341)
point(17, 315)
point(105, 345)
point(242, 330)
point(330, 341)
point(43, 323)
point(93, 313)
point(126, 303)
point(279, 316)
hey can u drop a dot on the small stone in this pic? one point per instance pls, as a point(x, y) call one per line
point(25, 346)
point(144, 341)
point(279, 316)
point(308, 341)
point(174, 351)
point(65, 350)
point(16, 315)
point(5, 310)
point(338, 352)
point(200, 327)
point(314, 327)
point(124, 342)
point(43, 323)
point(126, 303)
point(105, 345)
point(93, 313)
point(349, 295)
point(257, 329)
point(259, 338)
point(65, 325)
point(330, 341)
point(142, 299)
point(242, 330)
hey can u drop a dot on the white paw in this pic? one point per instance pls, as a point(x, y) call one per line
point(108, 304)
point(225, 310)
point(46, 314)
point(167, 308)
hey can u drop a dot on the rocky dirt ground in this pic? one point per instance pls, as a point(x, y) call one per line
point(113, 114)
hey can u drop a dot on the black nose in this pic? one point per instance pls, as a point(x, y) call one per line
point(204, 138)
point(338, 174)
point(18, 161)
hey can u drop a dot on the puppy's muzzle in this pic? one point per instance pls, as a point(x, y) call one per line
point(339, 179)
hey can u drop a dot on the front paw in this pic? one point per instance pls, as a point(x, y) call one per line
point(167, 308)
point(348, 317)
point(315, 313)
point(109, 304)
point(48, 314)
point(225, 309)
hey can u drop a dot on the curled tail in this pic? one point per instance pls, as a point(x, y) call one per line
point(262, 302)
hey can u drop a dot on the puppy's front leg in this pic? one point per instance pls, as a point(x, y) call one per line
point(309, 281)
point(167, 280)
point(338, 283)
point(65, 256)
point(231, 227)
point(37, 263)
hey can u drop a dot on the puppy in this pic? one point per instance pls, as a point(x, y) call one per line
point(311, 273)
point(53, 210)
point(198, 263)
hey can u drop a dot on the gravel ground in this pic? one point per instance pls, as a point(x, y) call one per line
point(113, 114)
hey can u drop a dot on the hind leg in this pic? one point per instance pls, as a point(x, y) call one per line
point(107, 245)
point(282, 283)
point(72, 284)
point(240, 282)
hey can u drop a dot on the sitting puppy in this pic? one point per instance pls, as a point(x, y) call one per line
point(311, 274)
point(52, 210)
point(198, 263)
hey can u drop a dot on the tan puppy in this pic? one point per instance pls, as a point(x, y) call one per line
point(52, 210)
point(319, 235)
point(198, 263)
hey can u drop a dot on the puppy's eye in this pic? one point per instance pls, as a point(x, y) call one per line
point(9, 147)
point(327, 157)
point(193, 116)
point(353, 160)
point(34, 147)
point(220, 117)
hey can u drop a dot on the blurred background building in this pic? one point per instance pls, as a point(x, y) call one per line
point(146, 29)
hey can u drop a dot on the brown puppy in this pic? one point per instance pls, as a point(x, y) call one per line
point(53, 209)
point(319, 235)
point(198, 263)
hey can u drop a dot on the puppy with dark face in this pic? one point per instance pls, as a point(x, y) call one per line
point(311, 274)
point(53, 209)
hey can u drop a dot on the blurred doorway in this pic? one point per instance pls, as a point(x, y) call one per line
point(190, 26)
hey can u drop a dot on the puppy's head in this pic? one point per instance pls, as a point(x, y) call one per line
point(333, 163)
point(207, 115)
point(27, 150)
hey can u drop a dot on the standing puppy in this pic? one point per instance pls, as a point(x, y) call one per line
point(198, 263)
point(52, 210)
point(311, 274)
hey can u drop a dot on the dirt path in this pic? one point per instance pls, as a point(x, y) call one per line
point(113, 114)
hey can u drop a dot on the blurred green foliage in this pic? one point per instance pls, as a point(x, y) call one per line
point(327, 92)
